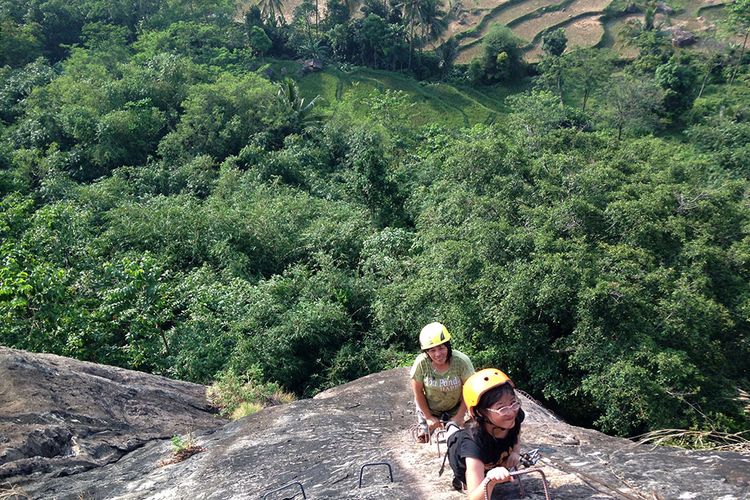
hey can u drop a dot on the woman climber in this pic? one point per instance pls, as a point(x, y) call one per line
point(437, 379)
point(483, 453)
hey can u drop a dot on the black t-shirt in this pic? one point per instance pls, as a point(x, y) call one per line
point(492, 452)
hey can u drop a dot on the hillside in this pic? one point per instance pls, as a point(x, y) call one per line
point(191, 196)
point(587, 23)
point(320, 443)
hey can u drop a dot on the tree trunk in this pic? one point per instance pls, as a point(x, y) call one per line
point(585, 99)
point(705, 79)
point(164, 340)
point(739, 59)
point(411, 39)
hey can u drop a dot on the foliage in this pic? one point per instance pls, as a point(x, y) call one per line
point(502, 58)
point(554, 42)
point(259, 41)
point(678, 79)
point(238, 396)
point(19, 44)
point(219, 118)
point(182, 449)
point(632, 105)
point(173, 204)
point(698, 440)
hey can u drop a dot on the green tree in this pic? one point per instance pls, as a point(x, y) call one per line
point(372, 33)
point(127, 135)
point(17, 84)
point(259, 41)
point(222, 117)
point(554, 42)
point(631, 104)
point(678, 78)
point(739, 21)
point(19, 43)
point(588, 70)
point(501, 57)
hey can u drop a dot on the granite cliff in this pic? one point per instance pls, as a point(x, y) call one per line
point(77, 430)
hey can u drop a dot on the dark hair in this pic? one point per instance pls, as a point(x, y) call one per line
point(446, 344)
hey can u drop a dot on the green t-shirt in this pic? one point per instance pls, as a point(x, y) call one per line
point(442, 390)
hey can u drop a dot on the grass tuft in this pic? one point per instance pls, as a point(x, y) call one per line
point(182, 449)
point(12, 492)
point(238, 396)
point(738, 442)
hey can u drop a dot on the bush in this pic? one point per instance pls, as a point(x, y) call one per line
point(237, 396)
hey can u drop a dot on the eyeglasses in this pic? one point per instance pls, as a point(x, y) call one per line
point(506, 411)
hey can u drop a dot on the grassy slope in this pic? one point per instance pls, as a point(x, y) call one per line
point(438, 103)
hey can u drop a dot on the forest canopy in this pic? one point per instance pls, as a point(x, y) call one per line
point(174, 202)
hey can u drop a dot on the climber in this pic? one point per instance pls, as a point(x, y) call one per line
point(483, 453)
point(437, 378)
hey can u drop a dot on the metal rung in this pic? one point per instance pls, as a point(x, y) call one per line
point(296, 483)
point(371, 464)
point(438, 433)
point(488, 492)
point(383, 414)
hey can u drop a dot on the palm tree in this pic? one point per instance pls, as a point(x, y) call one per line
point(432, 18)
point(428, 16)
point(410, 10)
point(290, 97)
point(271, 9)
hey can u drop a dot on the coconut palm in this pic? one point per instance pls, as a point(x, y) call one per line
point(433, 19)
point(271, 9)
point(427, 16)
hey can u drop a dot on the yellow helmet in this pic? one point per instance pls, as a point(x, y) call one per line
point(432, 335)
point(481, 382)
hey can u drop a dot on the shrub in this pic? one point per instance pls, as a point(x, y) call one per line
point(237, 396)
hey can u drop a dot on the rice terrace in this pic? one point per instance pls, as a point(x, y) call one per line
point(587, 23)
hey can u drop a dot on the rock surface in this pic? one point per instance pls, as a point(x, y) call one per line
point(320, 443)
point(60, 416)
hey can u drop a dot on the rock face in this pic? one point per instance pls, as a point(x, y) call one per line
point(682, 37)
point(59, 416)
point(320, 445)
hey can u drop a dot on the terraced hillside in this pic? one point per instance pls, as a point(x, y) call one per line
point(438, 103)
point(587, 23)
point(529, 19)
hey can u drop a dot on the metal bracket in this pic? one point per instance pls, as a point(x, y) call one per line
point(530, 458)
point(517, 473)
point(437, 434)
point(371, 464)
point(383, 414)
point(296, 483)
